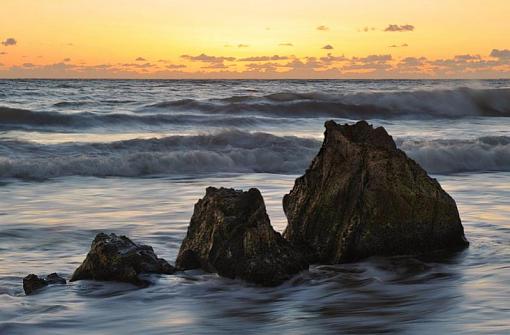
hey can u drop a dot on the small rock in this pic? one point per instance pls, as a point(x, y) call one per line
point(230, 234)
point(117, 258)
point(32, 282)
point(361, 196)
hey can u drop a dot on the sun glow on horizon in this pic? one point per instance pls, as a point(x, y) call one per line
point(263, 39)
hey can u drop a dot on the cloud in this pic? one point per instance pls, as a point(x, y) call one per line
point(366, 29)
point(28, 65)
point(397, 28)
point(140, 59)
point(66, 60)
point(373, 58)
point(242, 45)
point(399, 46)
point(501, 54)
point(263, 58)
point(208, 59)
point(175, 66)
point(286, 44)
point(323, 28)
point(327, 47)
point(213, 66)
point(466, 58)
point(332, 59)
point(3, 53)
point(9, 42)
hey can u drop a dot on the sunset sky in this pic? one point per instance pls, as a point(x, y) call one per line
point(255, 39)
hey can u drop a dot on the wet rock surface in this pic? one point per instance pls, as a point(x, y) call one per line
point(32, 282)
point(362, 196)
point(117, 258)
point(230, 234)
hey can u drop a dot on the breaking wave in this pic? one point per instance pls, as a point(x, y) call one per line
point(225, 152)
point(247, 110)
point(453, 103)
point(231, 151)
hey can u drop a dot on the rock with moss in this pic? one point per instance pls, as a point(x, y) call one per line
point(117, 258)
point(362, 196)
point(230, 234)
point(32, 282)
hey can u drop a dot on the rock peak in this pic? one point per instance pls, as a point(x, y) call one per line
point(362, 196)
point(361, 133)
point(230, 234)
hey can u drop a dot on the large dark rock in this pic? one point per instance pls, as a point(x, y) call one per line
point(362, 196)
point(117, 258)
point(33, 282)
point(230, 234)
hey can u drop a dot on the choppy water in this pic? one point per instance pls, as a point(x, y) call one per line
point(132, 157)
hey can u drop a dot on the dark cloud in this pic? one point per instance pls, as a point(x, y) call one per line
point(501, 54)
point(9, 42)
point(140, 59)
point(208, 59)
point(3, 53)
point(28, 65)
point(327, 47)
point(397, 28)
point(323, 28)
point(242, 45)
point(286, 44)
point(66, 60)
point(263, 58)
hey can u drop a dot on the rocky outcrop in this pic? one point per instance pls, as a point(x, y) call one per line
point(362, 196)
point(32, 282)
point(230, 234)
point(117, 258)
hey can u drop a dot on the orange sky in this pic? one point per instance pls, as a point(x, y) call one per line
point(255, 39)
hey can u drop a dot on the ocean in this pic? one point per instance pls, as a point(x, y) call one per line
point(78, 157)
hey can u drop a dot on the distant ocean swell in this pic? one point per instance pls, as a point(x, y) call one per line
point(13, 119)
point(230, 151)
point(239, 111)
point(453, 103)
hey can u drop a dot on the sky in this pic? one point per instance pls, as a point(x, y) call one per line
point(260, 39)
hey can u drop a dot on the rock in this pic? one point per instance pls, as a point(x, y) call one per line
point(230, 234)
point(54, 278)
point(362, 196)
point(32, 282)
point(117, 258)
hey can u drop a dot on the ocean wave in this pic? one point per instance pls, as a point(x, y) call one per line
point(230, 151)
point(225, 152)
point(451, 103)
point(13, 118)
point(456, 156)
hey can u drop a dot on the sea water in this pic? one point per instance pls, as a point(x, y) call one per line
point(132, 157)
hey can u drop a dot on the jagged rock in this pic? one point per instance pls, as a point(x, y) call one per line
point(117, 258)
point(362, 196)
point(33, 282)
point(230, 234)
